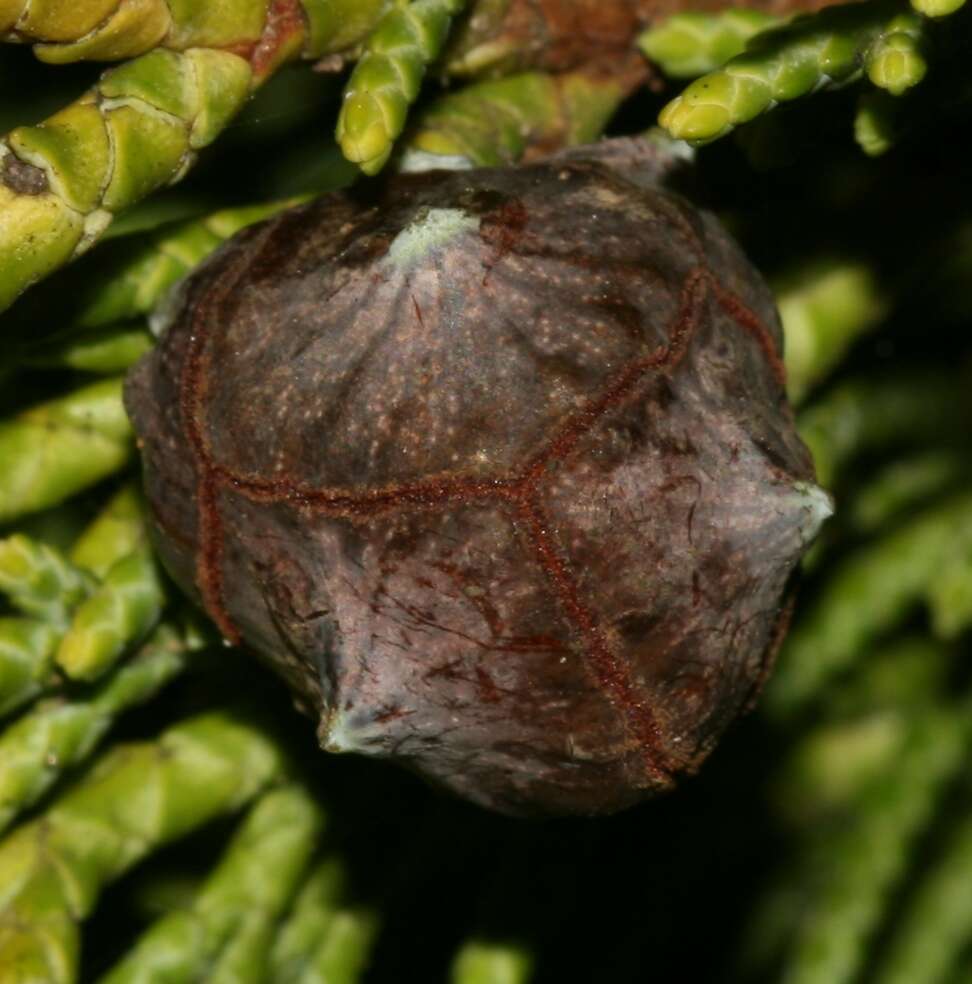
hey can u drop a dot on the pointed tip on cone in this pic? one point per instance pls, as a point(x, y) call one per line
point(816, 506)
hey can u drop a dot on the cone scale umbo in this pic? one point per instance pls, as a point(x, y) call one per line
point(495, 467)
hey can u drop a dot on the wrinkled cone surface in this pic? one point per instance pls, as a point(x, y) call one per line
point(496, 469)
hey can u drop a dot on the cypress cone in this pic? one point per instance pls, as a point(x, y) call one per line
point(495, 467)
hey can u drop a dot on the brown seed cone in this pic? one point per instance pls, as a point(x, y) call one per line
point(496, 469)
point(503, 36)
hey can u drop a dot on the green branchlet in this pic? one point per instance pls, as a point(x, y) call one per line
point(98, 29)
point(862, 731)
point(111, 349)
point(140, 127)
point(85, 625)
point(825, 307)
point(491, 962)
point(113, 534)
point(895, 61)
point(937, 922)
point(877, 413)
point(949, 594)
point(868, 594)
point(491, 44)
point(779, 65)
point(335, 26)
point(876, 123)
point(39, 581)
point(388, 76)
point(109, 30)
point(227, 932)
point(118, 614)
point(905, 483)
point(687, 45)
point(937, 8)
point(859, 859)
point(308, 921)
point(823, 773)
point(27, 647)
point(137, 798)
point(867, 726)
point(57, 734)
point(496, 122)
point(58, 448)
point(907, 673)
point(342, 955)
point(322, 941)
point(137, 130)
point(134, 280)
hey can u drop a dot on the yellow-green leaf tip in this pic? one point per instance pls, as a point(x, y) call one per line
point(689, 120)
point(898, 66)
point(362, 132)
point(937, 8)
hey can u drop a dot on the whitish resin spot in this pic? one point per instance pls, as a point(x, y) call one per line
point(430, 231)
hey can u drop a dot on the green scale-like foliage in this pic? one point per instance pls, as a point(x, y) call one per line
point(387, 78)
point(143, 123)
